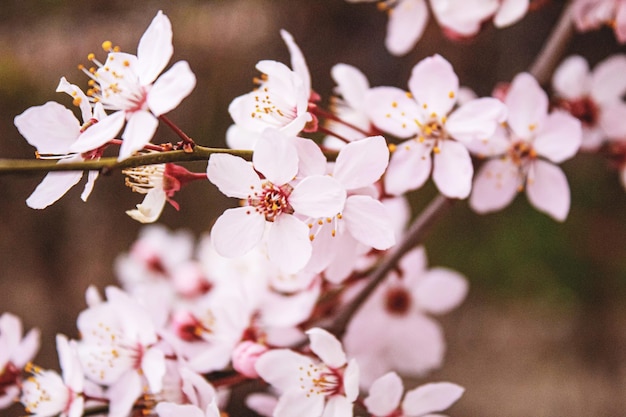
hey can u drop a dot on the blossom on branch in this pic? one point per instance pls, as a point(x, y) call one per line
point(593, 14)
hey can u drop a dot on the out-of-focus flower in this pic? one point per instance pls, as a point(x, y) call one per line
point(128, 85)
point(524, 156)
point(426, 116)
point(593, 14)
point(312, 387)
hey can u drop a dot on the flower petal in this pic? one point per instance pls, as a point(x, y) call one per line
point(171, 88)
point(547, 189)
point(385, 395)
point(409, 167)
point(434, 85)
point(453, 170)
point(298, 63)
point(281, 367)
point(337, 406)
point(510, 12)
point(150, 208)
point(275, 157)
point(608, 83)
point(91, 181)
point(351, 84)
point(234, 176)
point(392, 111)
point(327, 347)
point(559, 137)
point(53, 187)
point(155, 49)
point(100, 133)
point(495, 186)
point(139, 131)
point(406, 26)
point(527, 104)
point(237, 231)
point(440, 291)
point(476, 119)
point(289, 246)
point(361, 163)
point(368, 221)
point(431, 398)
point(571, 80)
point(153, 368)
point(51, 128)
point(612, 120)
point(318, 196)
point(78, 96)
point(311, 160)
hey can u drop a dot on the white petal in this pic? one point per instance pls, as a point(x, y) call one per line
point(138, 133)
point(369, 222)
point(53, 187)
point(234, 176)
point(171, 88)
point(385, 395)
point(527, 104)
point(123, 394)
point(51, 128)
point(362, 162)
point(297, 403)
point(496, 145)
point(155, 49)
point(318, 196)
point(338, 406)
point(431, 398)
point(351, 84)
point(612, 120)
point(91, 181)
point(559, 137)
point(298, 63)
point(495, 186)
point(238, 137)
point(406, 25)
point(276, 157)
point(453, 170)
point(165, 409)
point(547, 189)
point(511, 11)
point(311, 159)
point(607, 80)
point(440, 291)
point(237, 231)
point(434, 85)
point(463, 17)
point(150, 208)
point(327, 347)
point(392, 111)
point(289, 246)
point(351, 377)
point(409, 167)
point(571, 80)
point(281, 368)
point(100, 133)
point(153, 367)
point(77, 94)
point(477, 119)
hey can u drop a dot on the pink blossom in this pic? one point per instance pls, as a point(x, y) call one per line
point(245, 356)
point(525, 155)
point(426, 117)
point(592, 14)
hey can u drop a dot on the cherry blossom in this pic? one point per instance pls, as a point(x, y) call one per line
point(326, 385)
point(594, 97)
point(46, 394)
point(524, 155)
point(413, 343)
point(592, 14)
point(386, 392)
point(128, 85)
point(167, 409)
point(272, 202)
point(15, 353)
point(427, 118)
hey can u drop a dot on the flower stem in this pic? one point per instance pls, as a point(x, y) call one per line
point(186, 139)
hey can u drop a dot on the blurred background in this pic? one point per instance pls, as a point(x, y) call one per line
point(543, 331)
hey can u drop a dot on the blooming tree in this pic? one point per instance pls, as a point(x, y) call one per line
point(315, 285)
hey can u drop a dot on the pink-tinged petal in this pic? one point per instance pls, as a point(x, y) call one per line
point(171, 88)
point(311, 159)
point(123, 394)
point(559, 137)
point(392, 111)
point(298, 63)
point(164, 409)
point(409, 167)
point(77, 407)
point(238, 137)
point(298, 403)
point(100, 133)
point(28, 348)
point(285, 311)
point(10, 396)
point(431, 398)
point(78, 96)
point(261, 403)
point(53, 187)
point(91, 181)
point(414, 265)
point(352, 84)
point(289, 246)
point(495, 186)
point(153, 367)
point(139, 131)
point(527, 104)
point(608, 83)
point(434, 85)
point(612, 120)
point(237, 231)
point(571, 80)
point(368, 221)
point(406, 25)
point(464, 17)
point(68, 361)
point(547, 189)
point(385, 395)
point(453, 170)
point(496, 145)
point(155, 49)
point(276, 157)
point(233, 176)
point(510, 12)
point(51, 128)
point(150, 208)
point(620, 22)
point(362, 162)
point(477, 119)
point(318, 196)
point(351, 378)
point(327, 347)
point(440, 291)
point(281, 368)
point(337, 406)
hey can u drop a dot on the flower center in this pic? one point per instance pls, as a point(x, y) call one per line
point(584, 109)
point(398, 301)
point(270, 106)
point(271, 201)
point(320, 380)
point(8, 377)
point(521, 152)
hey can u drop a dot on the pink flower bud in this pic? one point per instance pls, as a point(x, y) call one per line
point(245, 356)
